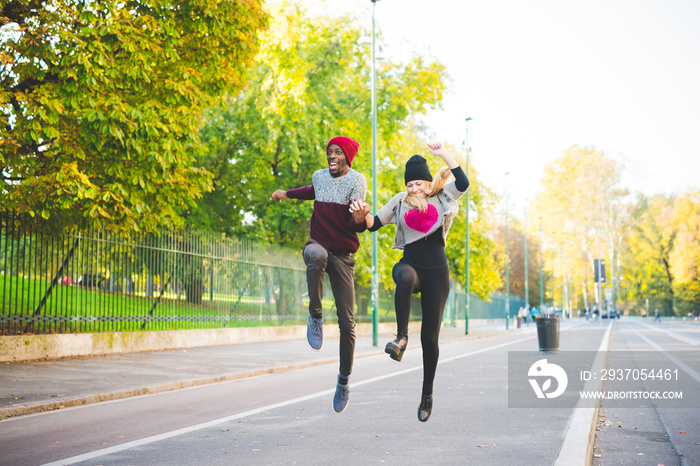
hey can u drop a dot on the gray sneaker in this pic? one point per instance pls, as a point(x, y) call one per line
point(341, 398)
point(314, 333)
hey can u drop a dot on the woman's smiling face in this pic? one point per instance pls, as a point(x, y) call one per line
point(417, 187)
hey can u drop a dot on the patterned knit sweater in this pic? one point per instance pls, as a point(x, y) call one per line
point(332, 225)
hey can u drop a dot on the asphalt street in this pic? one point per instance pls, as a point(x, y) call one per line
point(270, 403)
point(652, 433)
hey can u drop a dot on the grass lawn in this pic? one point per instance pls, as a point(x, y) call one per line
point(70, 309)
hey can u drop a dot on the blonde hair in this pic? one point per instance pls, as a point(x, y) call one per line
point(433, 189)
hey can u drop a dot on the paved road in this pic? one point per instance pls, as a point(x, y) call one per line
point(652, 434)
point(38, 386)
point(287, 417)
point(270, 403)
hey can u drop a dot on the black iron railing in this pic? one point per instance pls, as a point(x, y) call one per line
point(96, 281)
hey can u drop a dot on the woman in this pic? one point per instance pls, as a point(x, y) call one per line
point(423, 215)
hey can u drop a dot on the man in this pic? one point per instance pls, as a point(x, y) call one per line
point(333, 242)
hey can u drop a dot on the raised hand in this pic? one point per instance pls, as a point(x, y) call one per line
point(438, 149)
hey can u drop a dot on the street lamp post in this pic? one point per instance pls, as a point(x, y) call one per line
point(541, 276)
point(507, 284)
point(554, 278)
point(375, 272)
point(563, 279)
point(466, 260)
point(527, 287)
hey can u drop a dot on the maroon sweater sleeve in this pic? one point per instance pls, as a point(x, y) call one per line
point(305, 193)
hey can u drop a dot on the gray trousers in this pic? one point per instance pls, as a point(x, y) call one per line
point(341, 273)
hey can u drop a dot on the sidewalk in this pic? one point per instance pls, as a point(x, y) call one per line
point(32, 387)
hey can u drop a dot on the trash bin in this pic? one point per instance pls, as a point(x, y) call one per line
point(548, 332)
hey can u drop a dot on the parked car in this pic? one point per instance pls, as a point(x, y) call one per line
point(614, 314)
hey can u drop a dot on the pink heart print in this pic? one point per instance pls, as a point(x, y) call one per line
point(421, 221)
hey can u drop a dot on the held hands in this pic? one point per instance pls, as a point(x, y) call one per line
point(359, 210)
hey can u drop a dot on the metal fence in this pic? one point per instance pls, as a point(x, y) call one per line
point(95, 281)
point(494, 309)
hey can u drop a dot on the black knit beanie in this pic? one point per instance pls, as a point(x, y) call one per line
point(417, 169)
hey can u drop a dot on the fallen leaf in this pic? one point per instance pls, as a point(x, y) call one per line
point(482, 446)
point(681, 432)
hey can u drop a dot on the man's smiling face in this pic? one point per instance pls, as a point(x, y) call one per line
point(337, 161)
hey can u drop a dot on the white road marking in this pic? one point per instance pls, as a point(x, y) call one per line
point(690, 371)
point(672, 334)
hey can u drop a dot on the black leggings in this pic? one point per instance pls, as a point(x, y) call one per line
point(434, 286)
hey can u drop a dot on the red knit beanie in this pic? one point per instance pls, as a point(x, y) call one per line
point(348, 145)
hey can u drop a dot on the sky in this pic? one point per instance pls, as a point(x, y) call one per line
point(539, 76)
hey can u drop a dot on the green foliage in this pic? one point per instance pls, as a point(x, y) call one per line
point(646, 272)
point(101, 104)
point(685, 257)
point(483, 266)
point(584, 216)
point(663, 254)
point(311, 82)
point(650, 244)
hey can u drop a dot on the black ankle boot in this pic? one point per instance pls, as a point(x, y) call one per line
point(396, 348)
point(425, 408)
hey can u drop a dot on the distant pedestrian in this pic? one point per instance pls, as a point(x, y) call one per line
point(657, 315)
point(423, 215)
point(330, 250)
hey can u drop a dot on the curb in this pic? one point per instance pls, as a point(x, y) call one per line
point(109, 396)
point(22, 348)
point(579, 440)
